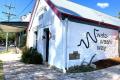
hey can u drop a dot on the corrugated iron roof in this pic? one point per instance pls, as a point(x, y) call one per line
point(71, 8)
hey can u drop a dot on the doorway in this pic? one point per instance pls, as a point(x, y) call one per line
point(46, 39)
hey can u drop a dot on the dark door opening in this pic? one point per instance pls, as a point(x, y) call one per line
point(46, 31)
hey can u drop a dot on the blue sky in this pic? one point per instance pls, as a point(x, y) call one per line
point(110, 7)
point(19, 5)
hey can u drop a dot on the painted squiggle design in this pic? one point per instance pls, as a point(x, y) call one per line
point(88, 42)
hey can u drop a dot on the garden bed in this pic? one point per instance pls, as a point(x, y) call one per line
point(101, 64)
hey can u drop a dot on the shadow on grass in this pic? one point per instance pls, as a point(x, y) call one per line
point(1, 70)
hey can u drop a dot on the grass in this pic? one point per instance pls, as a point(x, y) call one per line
point(1, 70)
point(1, 63)
point(2, 52)
point(9, 50)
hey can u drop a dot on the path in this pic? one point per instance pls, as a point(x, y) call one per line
point(15, 70)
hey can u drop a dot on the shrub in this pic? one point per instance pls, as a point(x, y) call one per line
point(31, 56)
point(82, 68)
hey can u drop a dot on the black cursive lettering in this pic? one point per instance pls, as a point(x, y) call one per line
point(88, 35)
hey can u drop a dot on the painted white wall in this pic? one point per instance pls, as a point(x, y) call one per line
point(51, 21)
point(65, 36)
point(77, 31)
point(31, 39)
point(40, 41)
point(33, 25)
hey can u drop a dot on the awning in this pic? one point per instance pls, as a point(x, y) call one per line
point(13, 26)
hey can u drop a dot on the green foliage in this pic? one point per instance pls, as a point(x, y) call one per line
point(3, 36)
point(77, 69)
point(1, 70)
point(119, 15)
point(31, 56)
point(84, 67)
point(4, 51)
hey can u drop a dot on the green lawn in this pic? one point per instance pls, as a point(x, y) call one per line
point(9, 50)
point(1, 70)
point(2, 52)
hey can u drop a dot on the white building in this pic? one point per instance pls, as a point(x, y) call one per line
point(66, 33)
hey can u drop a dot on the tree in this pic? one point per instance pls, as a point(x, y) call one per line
point(2, 35)
point(11, 37)
point(119, 15)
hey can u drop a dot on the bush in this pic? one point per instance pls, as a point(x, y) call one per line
point(31, 56)
point(82, 68)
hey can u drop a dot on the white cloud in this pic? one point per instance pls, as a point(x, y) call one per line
point(103, 5)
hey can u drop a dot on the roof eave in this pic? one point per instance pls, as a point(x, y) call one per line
point(59, 14)
point(91, 21)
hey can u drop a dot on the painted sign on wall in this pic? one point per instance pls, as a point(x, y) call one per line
point(103, 41)
point(89, 40)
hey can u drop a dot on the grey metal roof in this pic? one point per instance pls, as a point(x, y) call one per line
point(71, 8)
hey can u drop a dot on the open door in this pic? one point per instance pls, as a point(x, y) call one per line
point(46, 43)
